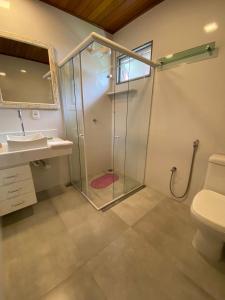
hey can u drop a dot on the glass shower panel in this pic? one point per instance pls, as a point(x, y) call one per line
point(107, 118)
point(138, 116)
point(77, 78)
point(71, 122)
point(119, 102)
point(97, 105)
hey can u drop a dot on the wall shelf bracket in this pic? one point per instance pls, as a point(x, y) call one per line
point(199, 52)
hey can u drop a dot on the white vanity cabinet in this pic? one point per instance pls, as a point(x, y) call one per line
point(16, 189)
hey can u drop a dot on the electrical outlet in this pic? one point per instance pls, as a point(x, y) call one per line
point(35, 114)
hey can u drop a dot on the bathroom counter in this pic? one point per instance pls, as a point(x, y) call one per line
point(56, 147)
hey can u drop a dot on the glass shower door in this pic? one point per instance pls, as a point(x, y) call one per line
point(73, 119)
point(80, 121)
point(138, 118)
point(132, 107)
point(71, 123)
point(97, 107)
point(119, 103)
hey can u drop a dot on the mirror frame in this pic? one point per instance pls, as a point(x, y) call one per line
point(54, 77)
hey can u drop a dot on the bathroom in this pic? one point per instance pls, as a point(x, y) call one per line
point(138, 241)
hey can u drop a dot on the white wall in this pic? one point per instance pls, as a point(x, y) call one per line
point(36, 20)
point(188, 100)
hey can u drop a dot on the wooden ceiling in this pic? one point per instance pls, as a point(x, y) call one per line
point(111, 15)
point(23, 50)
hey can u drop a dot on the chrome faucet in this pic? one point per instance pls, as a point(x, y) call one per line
point(21, 120)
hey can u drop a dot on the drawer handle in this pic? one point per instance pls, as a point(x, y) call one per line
point(14, 191)
point(9, 177)
point(17, 204)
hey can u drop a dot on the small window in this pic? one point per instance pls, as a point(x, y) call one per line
point(129, 68)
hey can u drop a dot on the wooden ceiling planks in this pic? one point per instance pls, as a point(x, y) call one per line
point(111, 15)
point(23, 50)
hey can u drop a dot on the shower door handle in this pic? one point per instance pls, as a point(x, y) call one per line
point(81, 135)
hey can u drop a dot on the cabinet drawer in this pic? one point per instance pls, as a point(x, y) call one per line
point(17, 203)
point(9, 176)
point(16, 189)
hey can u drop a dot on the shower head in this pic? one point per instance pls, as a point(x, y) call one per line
point(102, 50)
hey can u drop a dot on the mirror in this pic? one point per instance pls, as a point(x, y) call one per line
point(27, 75)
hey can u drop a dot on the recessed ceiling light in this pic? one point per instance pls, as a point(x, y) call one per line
point(2, 74)
point(23, 71)
point(210, 27)
point(4, 4)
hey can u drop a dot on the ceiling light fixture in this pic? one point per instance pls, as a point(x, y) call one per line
point(5, 4)
point(23, 71)
point(2, 74)
point(210, 27)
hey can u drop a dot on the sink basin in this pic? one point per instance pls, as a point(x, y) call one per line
point(32, 141)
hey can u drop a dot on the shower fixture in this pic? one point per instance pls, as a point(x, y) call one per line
point(98, 51)
point(174, 169)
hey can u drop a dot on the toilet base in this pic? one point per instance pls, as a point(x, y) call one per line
point(208, 244)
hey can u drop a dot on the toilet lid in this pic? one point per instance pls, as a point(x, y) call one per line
point(209, 206)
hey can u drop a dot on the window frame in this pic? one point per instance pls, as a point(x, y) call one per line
point(118, 59)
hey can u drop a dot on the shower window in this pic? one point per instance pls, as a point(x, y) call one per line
point(132, 69)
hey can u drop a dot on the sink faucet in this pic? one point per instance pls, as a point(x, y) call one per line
point(21, 120)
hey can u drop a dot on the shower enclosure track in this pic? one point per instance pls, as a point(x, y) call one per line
point(115, 200)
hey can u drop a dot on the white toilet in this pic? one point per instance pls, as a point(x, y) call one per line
point(208, 210)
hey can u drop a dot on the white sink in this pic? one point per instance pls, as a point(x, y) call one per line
point(31, 141)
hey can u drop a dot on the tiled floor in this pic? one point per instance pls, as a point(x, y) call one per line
point(140, 249)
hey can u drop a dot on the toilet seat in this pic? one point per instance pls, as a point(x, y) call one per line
point(209, 208)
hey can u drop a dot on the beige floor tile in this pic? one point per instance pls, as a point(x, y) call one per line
point(91, 230)
point(129, 268)
point(79, 286)
point(63, 248)
point(96, 232)
point(169, 229)
point(73, 208)
point(135, 207)
point(121, 273)
point(38, 254)
point(150, 193)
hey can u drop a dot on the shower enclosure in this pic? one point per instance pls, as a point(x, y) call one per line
point(107, 121)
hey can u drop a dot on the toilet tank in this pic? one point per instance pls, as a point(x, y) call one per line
point(215, 176)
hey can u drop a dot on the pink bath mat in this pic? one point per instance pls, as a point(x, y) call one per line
point(104, 181)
